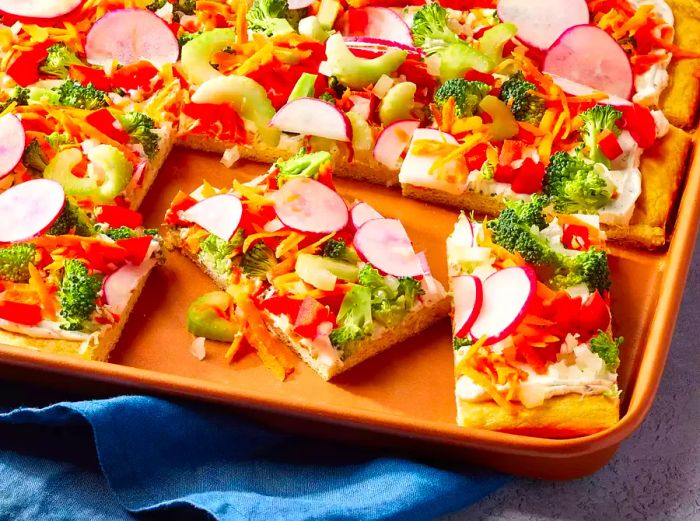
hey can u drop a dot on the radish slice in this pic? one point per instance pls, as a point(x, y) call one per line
point(468, 297)
point(219, 214)
point(363, 212)
point(309, 206)
point(385, 244)
point(577, 89)
point(131, 35)
point(12, 142)
point(464, 232)
point(119, 285)
point(379, 22)
point(313, 117)
point(506, 295)
point(392, 142)
point(372, 47)
point(590, 56)
point(299, 4)
point(43, 9)
point(28, 209)
point(541, 22)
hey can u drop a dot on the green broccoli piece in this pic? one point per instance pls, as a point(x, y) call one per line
point(607, 348)
point(574, 185)
point(56, 140)
point(34, 158)
point(430, 29)
point(516, 230)
point(72, 220)
point(73, 94)
point(20, 96)
point(185, 6)
point(140, 127)
point(186, 37)
point(117, 234)
point(57, 61)
point(216, 252)
point(517, 92)
point(467, 95)
point(328, 97)
point(156, 4)
point(77, 295)
point(269, 17)
point(337, 87)
point(596, 120)
point(354, 321)
point(391, 298)
point(458, 343)
point(589, 267)
point(15, 261)
point(258, 261)
point(337, 249)
point(301, 164)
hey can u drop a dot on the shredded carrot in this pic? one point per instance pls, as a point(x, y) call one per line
point(263, 235)
point(39, 285)
point(241, 23)
point(235, 345)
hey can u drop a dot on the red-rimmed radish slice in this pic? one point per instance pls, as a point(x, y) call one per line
point(577, 89)
point(313, 117)
point(219, 214)
point(379, 22)
point(367, 47)
point(385, 244)
point(361, 105)
point(464, 232)
point(12, 142)
point(39, 9)
point(363, 212)
point(468, 297)
point(119, 285)
point(392, 142)
point(309, 206)
point(590, 56)
point(299, 4)
point(129, 36)
point(30, 208)
point(506, 295)
point(541, 22)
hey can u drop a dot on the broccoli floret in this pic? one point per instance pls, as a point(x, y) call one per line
point(337, 87)
point(430, 29)
point(517, 92)
point(72, 220)
point(327, 97)
point(20, 96)
point(574, 185)
point(301, 164)
point(34, 158)
point(73, 94)
point(77, 295)
point(354, 318)
point(186, 37)
point(140, 127)
point(123, 232)
point(56, 140)
point(15, 260)
point(156, 4)
point(458, 343)
point(589, 267)
point(391, 298)
point(607, 348)
point(596, 120)
point(57, 61)
point(217, 252)
point(185, 6)
point(337, 249)
point(467, 95)
point(269, 17)
point(258, 261)
point(516, 230)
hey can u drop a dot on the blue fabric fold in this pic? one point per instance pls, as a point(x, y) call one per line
point(110, 458)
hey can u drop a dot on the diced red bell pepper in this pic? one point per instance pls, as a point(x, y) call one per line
point(25, 69)
point(311, 314)
point(103, 121)
point(576, 237)
point(609, 145)
point(564, 311)
point(504, 174)
point(20, 313)
point(217, 120)
point(136, 248)
point(85, 75)
point(594, 316)
point(281, 305)
point(102, 257)
point(476, 156)
point(639, 122)
point(532, 358)
point(135, 76)
point(528, 177)
point(117, 216)
point(474, 75)
point(511, 150)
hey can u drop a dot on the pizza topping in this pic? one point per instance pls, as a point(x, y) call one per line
point(362, 212)
point(12, 143)
point(386, 245)
point(468, 298)
point(30, 208)
point(392, 142)
point(541, 22)
point(39, 9)
point(309, 206)
point(212, 316)
point(219, 215)
point(119, 285)
point(313, 117)
point(588, 55)
point(129, 36)
point(379, 22)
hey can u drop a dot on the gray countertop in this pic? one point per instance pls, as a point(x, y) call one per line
point(656, 473)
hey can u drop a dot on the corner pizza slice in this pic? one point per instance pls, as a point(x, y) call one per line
point(65, 293)
point(337, 285)
point(533, 346)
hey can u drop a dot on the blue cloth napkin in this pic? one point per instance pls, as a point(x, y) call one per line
point(110, 458)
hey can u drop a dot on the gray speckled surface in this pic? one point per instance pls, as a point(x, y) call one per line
point(656, 473)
